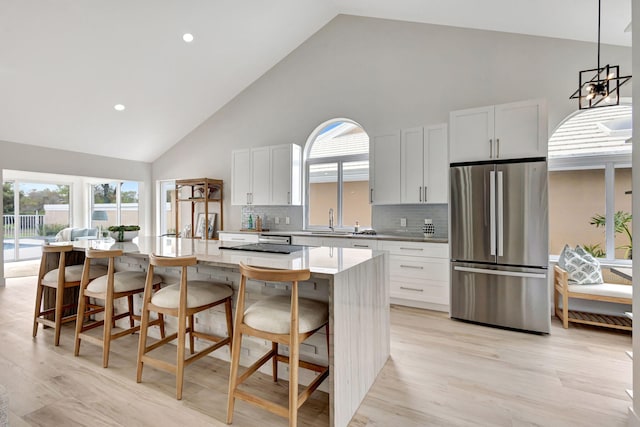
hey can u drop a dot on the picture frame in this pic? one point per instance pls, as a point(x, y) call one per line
point(209, 228)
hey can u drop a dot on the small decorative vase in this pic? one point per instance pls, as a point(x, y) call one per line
point(428, 229)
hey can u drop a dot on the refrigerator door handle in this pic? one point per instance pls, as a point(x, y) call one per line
point(501, 272)
point(500, 219)
point(492, 211)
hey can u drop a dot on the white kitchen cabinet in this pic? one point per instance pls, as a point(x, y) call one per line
point(384, 167)
point(419, 274)
point(230, 239)
point(240, 177)
point(269, 175)
point(424, 165)
point(286, 173)
point(505, 131)
point(306, 240)
point(336, 242)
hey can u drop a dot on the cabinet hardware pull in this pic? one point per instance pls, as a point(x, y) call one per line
point(497, 148)
point(425, 194)
point(361, 246)
point(238, 238)
point(371, 196)
point(248, 202)
point(420, 193)
point(417, 267)
point(411, 289)
point(411, 249)
point(491, 148)
point(289, 197)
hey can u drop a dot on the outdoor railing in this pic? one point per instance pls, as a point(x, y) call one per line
point(30, 225)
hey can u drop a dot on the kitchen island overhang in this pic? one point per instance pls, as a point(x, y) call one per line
point(355, 283)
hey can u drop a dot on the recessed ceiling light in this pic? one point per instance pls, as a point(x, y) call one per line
point(187, 37)
point(119, 107)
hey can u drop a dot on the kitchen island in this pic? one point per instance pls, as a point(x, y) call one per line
point(355, 283)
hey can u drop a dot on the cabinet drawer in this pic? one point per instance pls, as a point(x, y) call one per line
point(417, 249)
point(420, 269)
point(363, 243)
point(238, 237)
point(431, 291)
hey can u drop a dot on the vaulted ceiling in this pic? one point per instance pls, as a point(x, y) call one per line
point(65, 64)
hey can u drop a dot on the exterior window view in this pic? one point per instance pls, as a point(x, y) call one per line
point(319, 213)
point(590, 183)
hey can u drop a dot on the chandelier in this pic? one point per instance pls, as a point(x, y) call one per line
point(599, 87)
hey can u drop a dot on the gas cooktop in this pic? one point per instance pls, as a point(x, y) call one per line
point(266, 247)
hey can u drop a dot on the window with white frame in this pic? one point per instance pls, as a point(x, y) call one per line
point(337, 176)
point(119, 200)
point(590, 183)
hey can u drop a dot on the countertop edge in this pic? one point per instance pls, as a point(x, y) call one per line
point(390, 237)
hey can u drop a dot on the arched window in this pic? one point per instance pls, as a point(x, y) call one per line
point(337, 176)
point(590, 183)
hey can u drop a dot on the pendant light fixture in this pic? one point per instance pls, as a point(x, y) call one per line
point(599, 87)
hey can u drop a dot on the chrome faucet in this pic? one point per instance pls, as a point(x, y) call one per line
point(331, 219)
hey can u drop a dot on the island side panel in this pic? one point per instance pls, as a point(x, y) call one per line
point(360, 334)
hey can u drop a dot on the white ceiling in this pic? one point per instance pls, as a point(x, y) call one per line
point(64, 64)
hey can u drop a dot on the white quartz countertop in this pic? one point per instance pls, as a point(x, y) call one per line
point(323, 261)
point(400, 236)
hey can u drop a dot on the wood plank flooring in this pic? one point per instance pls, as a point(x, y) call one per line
point(441, 373)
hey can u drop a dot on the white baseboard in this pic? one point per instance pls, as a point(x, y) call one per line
point(634, 420)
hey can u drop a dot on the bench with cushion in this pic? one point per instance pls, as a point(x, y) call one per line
point(608, 292)
point(70, 234)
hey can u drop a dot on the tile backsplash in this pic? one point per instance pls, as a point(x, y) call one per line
point(386, 218)
point(269, 215)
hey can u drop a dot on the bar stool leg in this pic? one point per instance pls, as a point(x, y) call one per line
point(144, 325)
point(130, 303)
point(274, 348)
point(191, 337)
point(58, 314)
point(182, 330)
point(106, 337)
point(162, 332)
point(36, 314)
point(82, 307)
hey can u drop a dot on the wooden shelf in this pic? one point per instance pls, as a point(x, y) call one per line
point(198, 194)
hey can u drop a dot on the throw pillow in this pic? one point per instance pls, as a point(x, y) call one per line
point(78, 232)
point(583, 268)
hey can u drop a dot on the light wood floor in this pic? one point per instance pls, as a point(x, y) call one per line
point(441, 373)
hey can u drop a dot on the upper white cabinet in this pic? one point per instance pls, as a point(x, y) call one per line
point(506, 131)
point(269, 175)
point(424, 165)
point(384, 169)
point(409, 166)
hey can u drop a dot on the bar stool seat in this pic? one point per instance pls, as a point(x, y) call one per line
point(123, 281)
point(273, 315)
point(287, 320)
point(199, 293)
point(61, 278)
point(72, 273)
point(182, 300)
point(109, 288)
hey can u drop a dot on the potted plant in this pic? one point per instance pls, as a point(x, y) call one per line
point(124, 233)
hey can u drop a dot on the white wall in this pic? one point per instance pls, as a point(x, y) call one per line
point(384, 75)
point(30, 158)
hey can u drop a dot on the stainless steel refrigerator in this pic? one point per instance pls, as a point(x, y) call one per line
point(499, 243)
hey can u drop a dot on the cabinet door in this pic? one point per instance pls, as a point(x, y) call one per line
point(240, 177)
point(471, 134)
point(521, 130)
point(285, 175)
point(436, 165)
point(306, 240)
point(384, 169)
point(260, 175)
point(412, 165)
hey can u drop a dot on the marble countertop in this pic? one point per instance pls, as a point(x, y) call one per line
point(400, 236)
point(321, 261)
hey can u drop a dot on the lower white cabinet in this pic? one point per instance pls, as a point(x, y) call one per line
point(419, 274)
point(336, 242)
point(230, 239)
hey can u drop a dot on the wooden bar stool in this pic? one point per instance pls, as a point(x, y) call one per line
point(285, 320)
point(61, 278)
point(182, 300)
point(109, 288)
